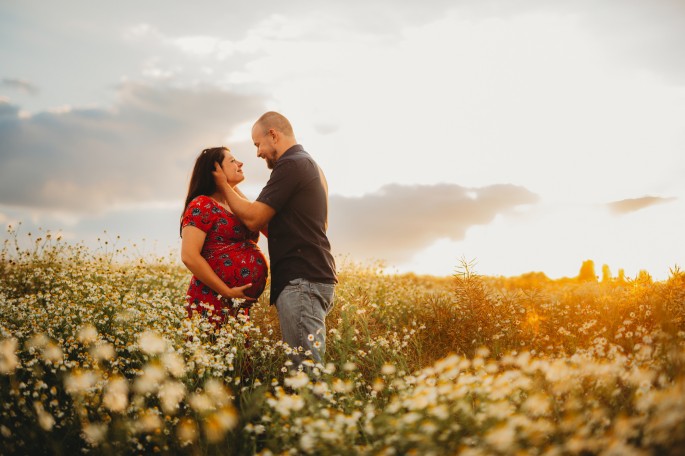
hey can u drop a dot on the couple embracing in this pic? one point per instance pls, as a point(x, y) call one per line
point(220, 228)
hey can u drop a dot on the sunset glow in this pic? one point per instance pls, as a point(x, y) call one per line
point(528, 137)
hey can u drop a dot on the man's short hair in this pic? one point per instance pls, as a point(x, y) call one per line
point(277, 121)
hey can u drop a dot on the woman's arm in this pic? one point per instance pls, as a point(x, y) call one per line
point(192, 241)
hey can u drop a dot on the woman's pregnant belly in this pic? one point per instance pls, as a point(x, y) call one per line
point(243, 265)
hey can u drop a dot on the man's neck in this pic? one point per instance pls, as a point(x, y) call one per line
point(286, 146)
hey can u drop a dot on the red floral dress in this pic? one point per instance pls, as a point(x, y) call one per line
point(232, 252)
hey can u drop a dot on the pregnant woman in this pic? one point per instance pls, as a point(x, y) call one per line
point(216, 247)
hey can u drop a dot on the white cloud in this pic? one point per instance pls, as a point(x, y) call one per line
point(481, 94)
point(398, 220)
point(528, 99)
point(142, 149)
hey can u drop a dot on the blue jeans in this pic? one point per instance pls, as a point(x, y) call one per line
point(302, 308)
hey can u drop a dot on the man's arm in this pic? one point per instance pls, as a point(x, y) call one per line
point(264, 229)
point(254, 214)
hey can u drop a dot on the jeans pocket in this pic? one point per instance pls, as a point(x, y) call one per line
point(326, 292)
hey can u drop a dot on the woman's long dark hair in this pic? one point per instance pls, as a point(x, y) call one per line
point(202, 180)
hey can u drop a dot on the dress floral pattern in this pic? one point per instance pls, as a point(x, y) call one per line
point(231, 250)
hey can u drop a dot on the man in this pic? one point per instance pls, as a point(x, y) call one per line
point(293, 206)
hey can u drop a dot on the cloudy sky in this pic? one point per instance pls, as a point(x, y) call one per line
point(527, 135)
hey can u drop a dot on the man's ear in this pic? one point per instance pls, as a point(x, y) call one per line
point(274, 134)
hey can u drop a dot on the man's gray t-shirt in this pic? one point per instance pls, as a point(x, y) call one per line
point(298, 245)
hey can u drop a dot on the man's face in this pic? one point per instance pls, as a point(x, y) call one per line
point(264, 142)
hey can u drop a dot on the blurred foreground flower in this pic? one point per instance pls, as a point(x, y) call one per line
point(116, 394)
point(95, 433)
point(79, 381)
point(151, 343)
point(297, 381)
point(173, 362)
point(186, 431)
point(87, 334)
point(45, 420)
point(8, 356)
point(150, 380)
point(219, 423)
point(170, 395)
point(286, 403)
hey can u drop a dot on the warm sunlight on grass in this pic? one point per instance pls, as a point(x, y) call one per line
point(97, 355)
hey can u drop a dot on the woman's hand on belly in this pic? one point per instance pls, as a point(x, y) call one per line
point(237, 292)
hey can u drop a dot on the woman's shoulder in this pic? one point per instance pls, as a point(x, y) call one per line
point(201, 200)
point(199, 213)
point(199, 205)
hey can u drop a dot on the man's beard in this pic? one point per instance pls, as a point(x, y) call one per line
point(270, 163)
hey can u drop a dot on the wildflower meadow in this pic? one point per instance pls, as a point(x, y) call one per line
point(97, 356)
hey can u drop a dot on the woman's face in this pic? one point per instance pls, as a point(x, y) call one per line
point(233, 169)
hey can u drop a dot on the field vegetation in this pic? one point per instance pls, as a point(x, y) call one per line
point(97, 356)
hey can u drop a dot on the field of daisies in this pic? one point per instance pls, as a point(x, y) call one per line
point(97, 356)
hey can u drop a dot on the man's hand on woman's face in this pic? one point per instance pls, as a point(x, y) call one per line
point(220, 178)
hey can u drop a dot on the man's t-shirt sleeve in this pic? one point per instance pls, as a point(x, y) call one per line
point(281, 185)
